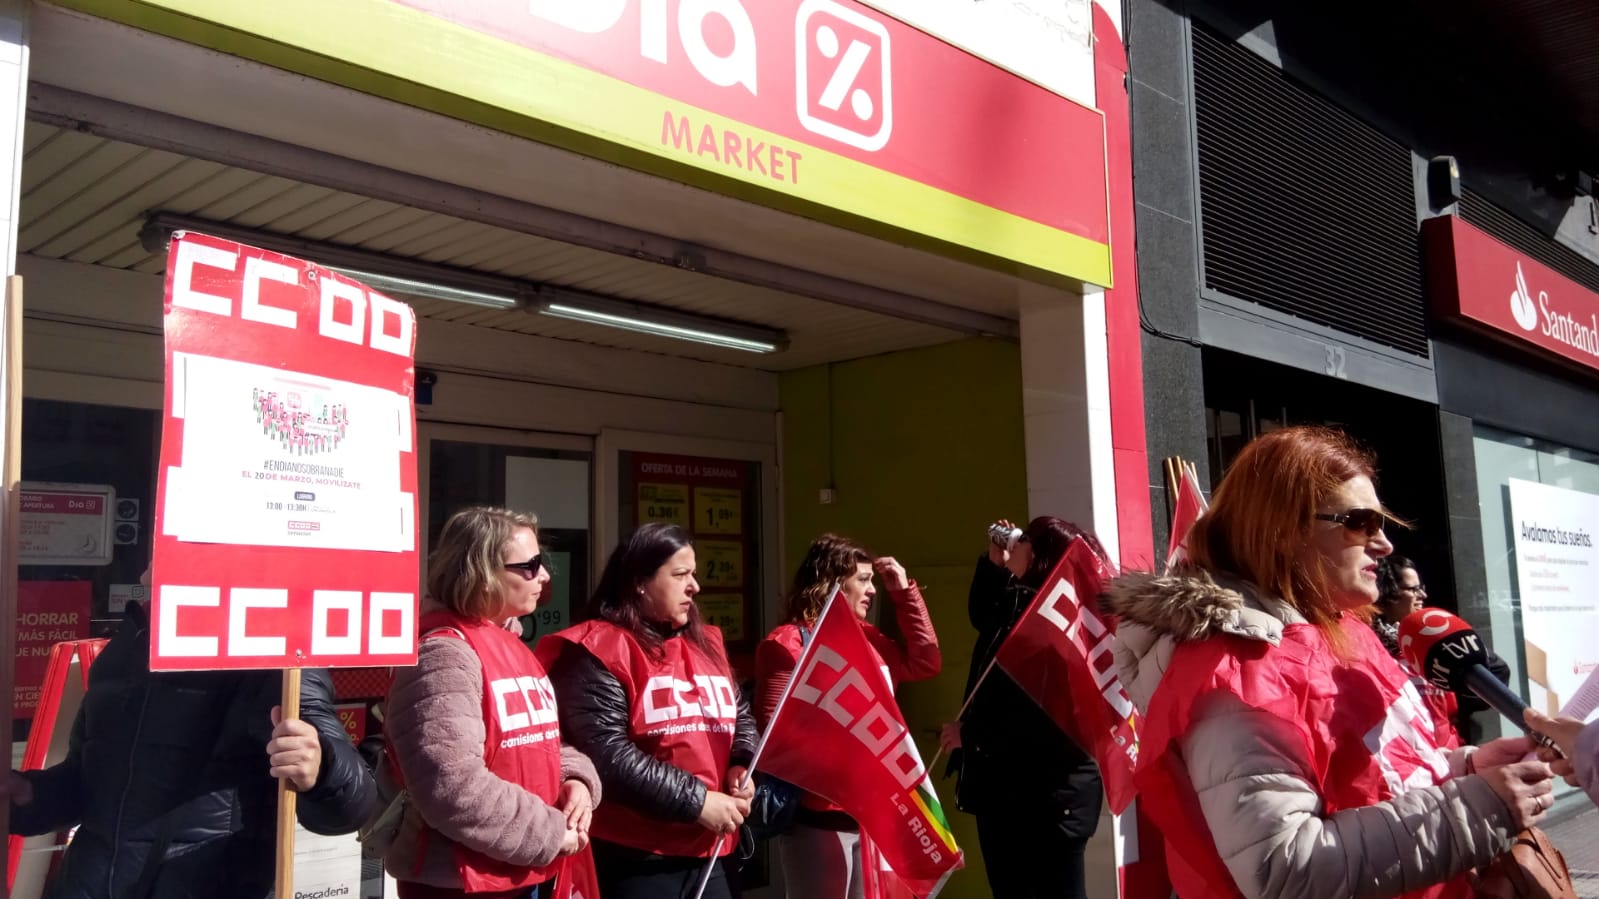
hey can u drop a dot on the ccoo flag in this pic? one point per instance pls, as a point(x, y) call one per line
point(1060, 653)
point(839, 733)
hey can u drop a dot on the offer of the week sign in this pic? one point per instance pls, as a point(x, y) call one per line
point(828, 108)
point(286, 509)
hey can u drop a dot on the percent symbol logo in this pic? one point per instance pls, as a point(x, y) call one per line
point(841, 54)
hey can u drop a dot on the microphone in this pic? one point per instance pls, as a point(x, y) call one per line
point(1444, 649)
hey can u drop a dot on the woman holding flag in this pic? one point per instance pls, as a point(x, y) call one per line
point(1284, 752)
point(645, 689)
point(822, 853)
point(1033, 837)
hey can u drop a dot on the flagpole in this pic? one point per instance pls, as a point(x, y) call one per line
point(760, 744)
point(960, 714)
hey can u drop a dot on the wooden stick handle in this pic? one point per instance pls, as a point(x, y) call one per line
point(284, 882)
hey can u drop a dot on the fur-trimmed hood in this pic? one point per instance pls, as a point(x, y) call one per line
point(1156, 612)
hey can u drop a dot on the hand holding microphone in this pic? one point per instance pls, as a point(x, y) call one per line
point(1442, 648)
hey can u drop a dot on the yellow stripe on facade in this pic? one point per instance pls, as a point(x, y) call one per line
point(386, 49)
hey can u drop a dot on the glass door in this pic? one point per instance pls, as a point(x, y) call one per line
point(549, 475)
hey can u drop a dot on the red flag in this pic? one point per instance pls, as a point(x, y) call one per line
point(838, 733)
point(577, 879)
point(1063, 641)
point(1189, 507)
point(877, 877)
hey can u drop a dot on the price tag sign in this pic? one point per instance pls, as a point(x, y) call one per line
point(718, 510)
point(721, 563)
point(663, 502)
point(555, 612)
point(726, 611)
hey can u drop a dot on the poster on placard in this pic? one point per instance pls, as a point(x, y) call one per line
point(711, 499)
point(286, 507)
point(1554, 531)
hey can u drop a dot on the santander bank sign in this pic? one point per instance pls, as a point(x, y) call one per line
point(1494, 287)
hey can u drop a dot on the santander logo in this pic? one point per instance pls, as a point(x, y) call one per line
point(1521, 304)
point(1551, 322)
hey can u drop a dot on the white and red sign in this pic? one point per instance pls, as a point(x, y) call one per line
point(833, 74)
point(286, 517)
point(66, 524)
point(1060, 653)
point(48, 612)
point(1495, 287)
point(838, 733)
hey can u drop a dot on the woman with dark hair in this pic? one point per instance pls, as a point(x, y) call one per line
point(1033, 836)
point(1283, 752)
point(645, 689)
point(1399, 593)
point(822, 854)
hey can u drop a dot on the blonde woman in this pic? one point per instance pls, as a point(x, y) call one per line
point(473, 733)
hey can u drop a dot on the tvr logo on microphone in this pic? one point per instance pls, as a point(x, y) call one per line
point(843, 78)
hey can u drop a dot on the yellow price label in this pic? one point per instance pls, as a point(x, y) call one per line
point(718, 510)
point(721, 563)
point(724, 610)
point(663, 502)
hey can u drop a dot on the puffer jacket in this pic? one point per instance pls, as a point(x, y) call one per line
point(179, 758)
point(1249, 771)
point(594, 720)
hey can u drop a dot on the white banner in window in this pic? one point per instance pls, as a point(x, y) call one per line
point(1557, 578)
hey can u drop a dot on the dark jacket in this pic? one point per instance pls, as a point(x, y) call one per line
point(594, 720)
point(1012, 754)
point(178, 759)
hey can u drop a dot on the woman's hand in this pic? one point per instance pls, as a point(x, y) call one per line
point(949, 737)
point(1500, 752)
point(892, 573)
point(577, 804)
point(998, 554)
point(739, 784)
point(1564, 732)
point(573, 842)
point(722, 813)
point(1526, 788)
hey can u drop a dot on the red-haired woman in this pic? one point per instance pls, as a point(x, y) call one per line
point(1033, 839)
point(645, 690)
point(1284, 752)
point(822, 854)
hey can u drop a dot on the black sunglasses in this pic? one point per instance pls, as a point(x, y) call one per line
point(1367, 521)
point(529, 569)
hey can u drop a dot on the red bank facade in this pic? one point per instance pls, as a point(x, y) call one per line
point(762, 269)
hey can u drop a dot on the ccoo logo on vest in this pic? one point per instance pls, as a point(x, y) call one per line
point(537, 699)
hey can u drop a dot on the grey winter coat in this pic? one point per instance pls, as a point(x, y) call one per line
point(1247, 768)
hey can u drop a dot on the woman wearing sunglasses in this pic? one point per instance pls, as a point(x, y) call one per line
point(646, 690)
point(1282, 750)
point(493, 800)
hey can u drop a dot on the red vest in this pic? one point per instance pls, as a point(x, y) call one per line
point(1368, 734)
point(522, 742)
point(683, 710)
